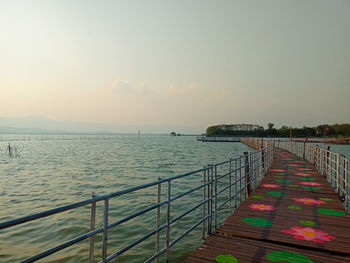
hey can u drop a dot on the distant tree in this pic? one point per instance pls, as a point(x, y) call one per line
point(325, 130)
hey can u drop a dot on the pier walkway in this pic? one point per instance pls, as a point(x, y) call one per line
point(293, 216)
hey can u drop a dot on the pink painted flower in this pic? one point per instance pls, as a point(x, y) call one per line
point(304, 169)
point(262, 207)
point(270, 185)
point(308, 234)
point(310, 183)
point(291, 164)
point(303, 174)
point(277, 170)
point(309, 201)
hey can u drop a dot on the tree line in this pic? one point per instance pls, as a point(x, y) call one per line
point(324, 131)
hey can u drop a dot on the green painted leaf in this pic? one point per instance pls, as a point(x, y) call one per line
point(256, 221)
point(275, 193)
point(307, 222)
point(257, 196)
point(311, 187)
point(293, 185)
point(306, 179)
point(226, 258)
point(282, 181)
point(331, 212)
point(282, 173)
point(326, 199)
point(294, 207)
point(287, 256)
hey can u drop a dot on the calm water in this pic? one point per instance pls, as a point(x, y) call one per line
point(342, 149)
point(55, 170)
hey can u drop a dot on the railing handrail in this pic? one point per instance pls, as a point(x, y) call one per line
point(64, 208)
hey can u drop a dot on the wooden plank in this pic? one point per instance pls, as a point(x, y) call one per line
point(293, 210)
point(246, 250)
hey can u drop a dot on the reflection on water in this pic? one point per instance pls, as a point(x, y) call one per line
point(56, 170)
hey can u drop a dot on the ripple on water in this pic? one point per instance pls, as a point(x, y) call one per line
point(58, 172)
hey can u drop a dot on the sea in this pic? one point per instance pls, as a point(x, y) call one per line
point(54, 170)
point(49, 171)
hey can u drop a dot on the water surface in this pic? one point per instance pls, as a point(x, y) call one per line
point(53, 170)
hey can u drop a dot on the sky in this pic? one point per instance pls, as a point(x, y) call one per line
point(163, 64)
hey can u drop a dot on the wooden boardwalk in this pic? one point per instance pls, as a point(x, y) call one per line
point(293, 216)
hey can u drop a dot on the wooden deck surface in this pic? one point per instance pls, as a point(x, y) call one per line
point(293, 216)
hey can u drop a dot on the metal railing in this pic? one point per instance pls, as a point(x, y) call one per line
point(218, 187)
point(334, 166)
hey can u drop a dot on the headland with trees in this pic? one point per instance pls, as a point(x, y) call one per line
point(341, 131)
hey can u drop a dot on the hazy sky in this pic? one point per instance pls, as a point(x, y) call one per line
point(168, 63)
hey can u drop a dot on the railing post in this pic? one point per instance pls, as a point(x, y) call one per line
point(342, 189)
point(92, 227)
point(159, 193)
point(168, 224)
point(236, 183)
point(246, 174)
point(240, 178)
point(319, 159)
point(314, 155)
point(263, 162)
point(210, 197)
point(347, 180)
point(331, 169)
point(105, 232)
point(229, 183)
point(322, 157)
point(304, 143)
point(205, 195)
point(338, 174)
point(216, 196)
point(290, 146)
point(327, 161)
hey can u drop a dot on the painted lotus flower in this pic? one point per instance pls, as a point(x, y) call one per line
point(308, 234)
point(277, 170)
point(304, 169)
point(270, 185)
point(291, 164)
point(309, 201)
point(262, 207)
point(310, 183)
